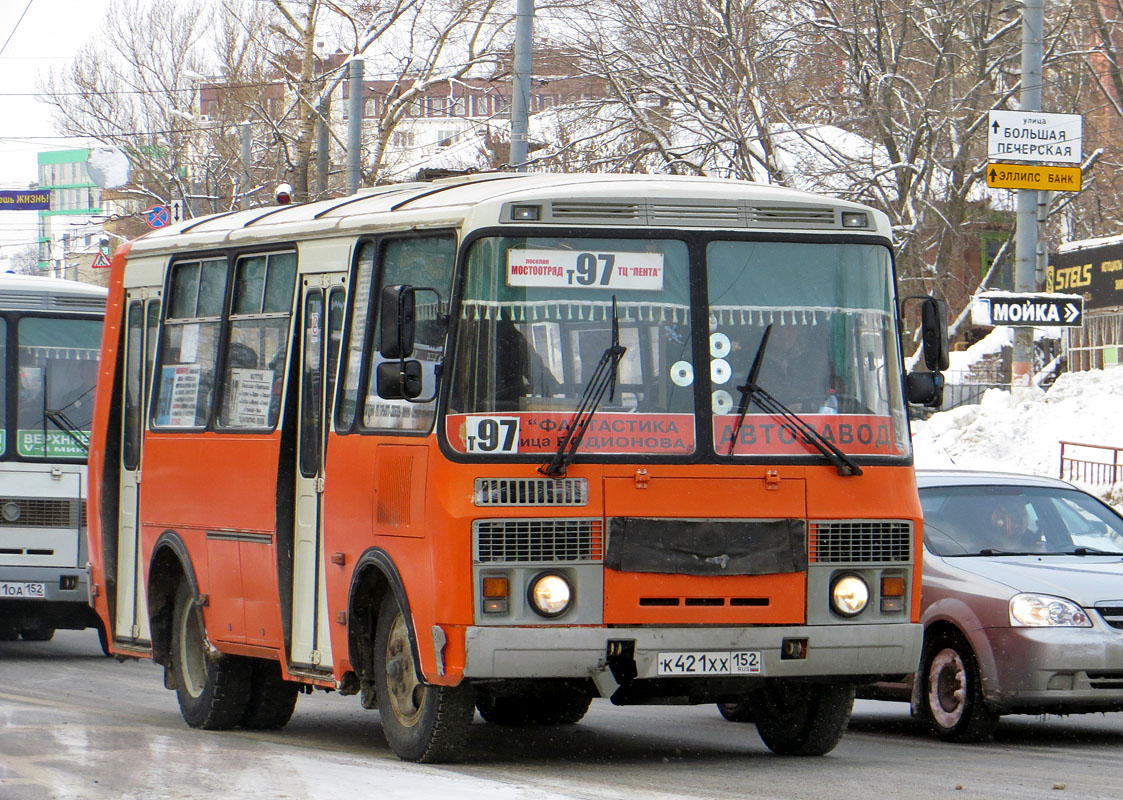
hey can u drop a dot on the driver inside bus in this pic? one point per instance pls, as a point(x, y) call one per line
point(795, 368)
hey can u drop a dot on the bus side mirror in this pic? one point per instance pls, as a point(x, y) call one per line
point(934, 333)
point(925, 388)
point(399, 380)
point(397, 320)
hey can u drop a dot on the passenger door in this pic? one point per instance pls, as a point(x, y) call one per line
point(321, 323)
point(142, 319)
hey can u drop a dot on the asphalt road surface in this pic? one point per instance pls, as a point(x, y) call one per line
point(75, 725)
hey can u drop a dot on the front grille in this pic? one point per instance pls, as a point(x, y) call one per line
point(1112, 615)
point(860, 542)
point(1105, 679)
point(531, 492)
point(41, 513)
point(537, 541)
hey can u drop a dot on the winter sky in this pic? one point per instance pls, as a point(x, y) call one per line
point(47, 37)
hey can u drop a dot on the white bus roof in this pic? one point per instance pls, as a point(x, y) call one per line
point(654, 201)
point(35, 293)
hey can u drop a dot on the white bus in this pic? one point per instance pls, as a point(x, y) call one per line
point(50, 332)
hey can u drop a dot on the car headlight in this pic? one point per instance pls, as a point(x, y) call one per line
point(1044, 611)
point(849, 595)
point(550, 594)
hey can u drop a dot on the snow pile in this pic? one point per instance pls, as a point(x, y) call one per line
point(1022, 431)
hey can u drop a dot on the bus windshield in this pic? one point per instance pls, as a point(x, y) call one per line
point(536, 316)
point(57, 369)
point(832, 356)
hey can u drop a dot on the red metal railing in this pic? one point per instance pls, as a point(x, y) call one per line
point(1083, 467)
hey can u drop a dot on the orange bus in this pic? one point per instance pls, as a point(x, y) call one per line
point(508, 443)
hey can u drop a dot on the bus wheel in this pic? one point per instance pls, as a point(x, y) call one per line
point(953, 696)
point(213, 689)
point(421, 722)
point(272, 698)
point(736, 711)
point(548, 707)
point(38, 634)
point(802, 719)
point(9, 634)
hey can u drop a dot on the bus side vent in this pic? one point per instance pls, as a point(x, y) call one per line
point(531, 492)
point(860, 542)
point(792, 216)
point(537, 541)
point(606, 211)
point(718, 215)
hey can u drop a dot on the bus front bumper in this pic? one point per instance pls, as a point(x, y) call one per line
point(845, 651)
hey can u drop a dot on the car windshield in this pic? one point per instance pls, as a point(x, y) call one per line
point(997, 520)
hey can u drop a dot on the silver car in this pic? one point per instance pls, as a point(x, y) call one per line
point(1022, 603)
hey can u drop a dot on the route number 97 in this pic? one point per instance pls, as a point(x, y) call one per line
point(491, 434)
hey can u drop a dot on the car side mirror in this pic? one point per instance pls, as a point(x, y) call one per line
point(925, 388)
point(397, 320)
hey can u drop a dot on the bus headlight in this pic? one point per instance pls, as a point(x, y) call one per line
point(849, 595)
point(550, 594)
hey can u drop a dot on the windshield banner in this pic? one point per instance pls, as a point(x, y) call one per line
point(766, 434)
point(573, 269)
point(542, 432)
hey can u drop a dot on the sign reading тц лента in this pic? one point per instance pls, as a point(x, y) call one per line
point(1034, 136)
point(1036, 310)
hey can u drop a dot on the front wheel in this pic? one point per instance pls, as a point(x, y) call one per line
point(801, 719)
point(953, 696)
point(213, 689)
point(422, 722)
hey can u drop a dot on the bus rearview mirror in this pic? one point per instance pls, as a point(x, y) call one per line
point(397, 321)
point(399, 380)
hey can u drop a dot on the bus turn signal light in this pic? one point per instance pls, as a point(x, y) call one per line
point(495, 595)
point(892, 593)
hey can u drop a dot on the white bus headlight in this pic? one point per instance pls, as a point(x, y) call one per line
point(550, 594)
point(849, 595)
point(1044, 611)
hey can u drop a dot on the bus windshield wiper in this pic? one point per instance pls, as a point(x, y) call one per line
point(64, 424)
point(603, 380)
point(752, 392)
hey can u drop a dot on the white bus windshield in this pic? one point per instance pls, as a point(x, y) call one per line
point(56, 373)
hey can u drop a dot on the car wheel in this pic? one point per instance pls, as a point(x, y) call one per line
point(953, 696)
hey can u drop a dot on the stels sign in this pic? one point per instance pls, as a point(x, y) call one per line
point(1096, 273)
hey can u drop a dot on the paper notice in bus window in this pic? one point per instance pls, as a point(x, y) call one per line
point(252, 391)
point(575, 269)
point(183, 381)
point(189, 345)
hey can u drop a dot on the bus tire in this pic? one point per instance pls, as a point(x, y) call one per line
point(953, 694)
point(272, 699)
point(802, 719)
point(213, 689)
point(547, 707)
point(421, 722)
point(736, 711)
point(9, 634)
point(38, 634)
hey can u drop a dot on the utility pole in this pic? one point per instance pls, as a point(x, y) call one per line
point(520, 83)
point(354, 124)
point(1026, 239)
point(247, 137)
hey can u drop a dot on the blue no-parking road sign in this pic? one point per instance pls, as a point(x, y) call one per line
point(157, 216)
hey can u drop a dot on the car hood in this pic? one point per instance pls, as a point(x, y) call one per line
point(1086, 580)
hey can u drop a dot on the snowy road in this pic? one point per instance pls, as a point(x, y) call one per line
point(77, 726)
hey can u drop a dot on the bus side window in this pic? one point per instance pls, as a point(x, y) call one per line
point(423, 262)
point(184, 385)
point(258, 341)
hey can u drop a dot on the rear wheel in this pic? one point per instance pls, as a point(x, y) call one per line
point(801, 719)
point(213, 689)
point(421, 722)
point(38, 634)
point(953, 696)
point(545, 707)
point(272, 699)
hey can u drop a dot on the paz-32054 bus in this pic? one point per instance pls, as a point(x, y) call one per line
point(509, 443)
